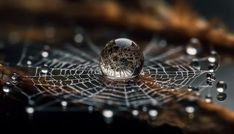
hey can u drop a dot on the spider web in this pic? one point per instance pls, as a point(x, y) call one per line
point(72, 75)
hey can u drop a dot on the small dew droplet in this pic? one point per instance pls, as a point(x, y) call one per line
point(221, 86)
point(44, 69)
point(29, 62)
point(78, 38)
point(135, 112)
point(208, 99)
point(29, 110)
point(194, 47)
point(44, 54)
point(7, 87)
point(221, 96)
point(108, 115)
point(190, 109)
point(153, 113)
point(195, 63)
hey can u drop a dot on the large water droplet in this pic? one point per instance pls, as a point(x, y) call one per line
point(121, 59)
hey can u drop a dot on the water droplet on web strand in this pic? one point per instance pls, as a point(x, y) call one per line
point(135, 113)
point(90, 109)
point(108, 115)
point(195, 63)
point(153, 113)
point(44, 54)
point(78, 38)
point(214, 57)
point(193, 47)
point(221, 86)
point(190, 109)
point(208, 99)
point(7, 87)
point(121, 59)
point(221, 96)
point(29, 62)
point(30, 111)
point(64, 104)
point(44, 69)
point(15, 78)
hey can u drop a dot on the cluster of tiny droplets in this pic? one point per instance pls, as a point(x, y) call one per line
point(120, 59)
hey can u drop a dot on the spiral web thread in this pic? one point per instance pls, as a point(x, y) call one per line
point(74, 76)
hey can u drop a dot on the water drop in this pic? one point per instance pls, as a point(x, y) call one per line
point(195, 63)
point(144, 108)
point(90, 109)
point(221, 86)
point(15, 78)
point(153, 113)
point(44, 69)
point(135, 112)
point(194, 89)
point(214, 57)
point(78, 38)
point(30, 110)
point(108, 115)
point(208, 99)
point(64, 103)
point(29, 62)
point(221, 96)
point(7, 87)
point(190, 109)
point(121, 59)
point(193, 47)
point(44, 54)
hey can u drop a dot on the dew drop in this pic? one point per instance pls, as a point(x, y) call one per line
point(108, 115)
point(221, 86)
point(135, 112)
point(7, 87)
point(29, 62)
point(29, 110)
point(208, 99)
point(78, 38)
point(221, 96)
point(44, 54)
point(195, 63)
point(214, 57)
point(44, 69)
point(121, 59)
point(90, 109)
point(190, 109)
point(153, 113)
point(15, 78)
point(64, 103)
point(193, 47)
